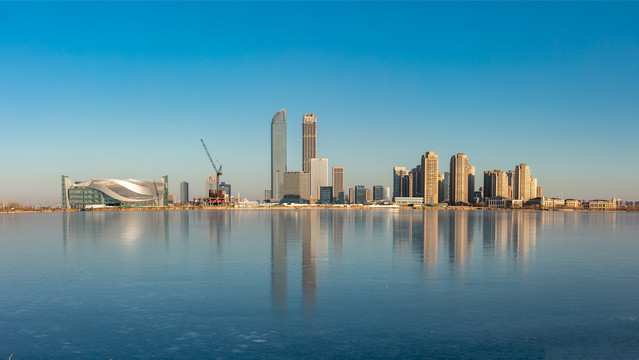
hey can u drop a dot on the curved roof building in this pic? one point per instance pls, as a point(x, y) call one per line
point(114, 192)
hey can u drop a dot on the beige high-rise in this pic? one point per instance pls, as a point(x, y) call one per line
point(459, 179)
point(338, 183)
point(430, 169)
point(309, 141)
point(522, 183)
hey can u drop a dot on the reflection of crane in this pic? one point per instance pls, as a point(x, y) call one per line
point(218, 171)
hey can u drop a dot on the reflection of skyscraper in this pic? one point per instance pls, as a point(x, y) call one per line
point(314, 247)
point(338, 230)
point(309, 139)
point(278, 154)
point(459, 244)
point(278, 260)
point(431, 219)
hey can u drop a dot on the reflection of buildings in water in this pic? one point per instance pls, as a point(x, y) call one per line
point(184, 224)
point(524, 235)
point(402, 230)
point(430, 220)
point(279, 278)
point(314, 232)
point(127, 228)
point(461, 234)
point(514, 231)
point(337, 227)
point(219, 226)
point(495, 227)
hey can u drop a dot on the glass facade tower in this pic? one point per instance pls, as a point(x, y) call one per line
point(278, 154)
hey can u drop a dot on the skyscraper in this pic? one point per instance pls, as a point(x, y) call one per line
point(184, 192)
point(319, 176)
point(338, 184)
point(430, 172)
point(522, 180)
point(398, 173)
point(459, 179)
point(378, 192)
point(495, 183)
point(309, 140)
point(471, 184)
point(278, 154)
point(359, 194)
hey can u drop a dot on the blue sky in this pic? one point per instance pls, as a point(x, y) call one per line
point(126, 90)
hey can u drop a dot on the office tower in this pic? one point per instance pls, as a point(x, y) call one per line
point(429, 174)
point(369, 195)
point(309, 140)
point(398, 174)
point(184, 192)
point(471, 184)
point(539, 193)
point(495, 184)
point(319, 176)
point(459, 179)
point(325, 194)
point(296, 187)
point(418, 181)
point(446, 186)
point(351, 196)
point(378, 193)
point(359, 195)
point(278, 154)
point(338, 184)
point(226, 187)
point(521, 183)
point(387, 192)
point(267, 194)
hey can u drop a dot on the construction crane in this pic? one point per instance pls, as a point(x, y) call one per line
point(218, 171)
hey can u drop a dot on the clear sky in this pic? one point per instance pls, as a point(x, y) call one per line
point(126, 90)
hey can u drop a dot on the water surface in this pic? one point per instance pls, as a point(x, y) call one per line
point(318, 284)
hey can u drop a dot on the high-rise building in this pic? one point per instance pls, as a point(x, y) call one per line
point(338, 184)
point(459, 179)
point(359, 195)
point(495, 184)
point(521, 181)
point(296, 187)
point(184, 192)
point(418, 181)
point(471, 184)
point(369, 195)
point(441, 183)
point(226, 187)
point(309, 140)
point(278, 154)
point(351, 196)
point(378, 193)
point(430, 172)
point(398, 174)
point(319, 176)
point(387, 193)
point(533, 188)
point(325, 194)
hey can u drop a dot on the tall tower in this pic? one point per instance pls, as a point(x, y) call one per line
point(459, 179)
point(338, 184)
point(278, 154)
point(430, 171)
point(471, 184)
point(309, 141)
point(521, 188)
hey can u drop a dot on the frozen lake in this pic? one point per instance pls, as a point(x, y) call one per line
point(290, 284)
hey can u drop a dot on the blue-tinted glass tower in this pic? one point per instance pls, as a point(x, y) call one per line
point(278, 154)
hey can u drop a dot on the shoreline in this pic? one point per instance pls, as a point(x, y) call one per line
point(276, 208)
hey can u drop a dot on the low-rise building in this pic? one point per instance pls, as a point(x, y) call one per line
point(602, 204)
point(499, 202)
point(399, 200)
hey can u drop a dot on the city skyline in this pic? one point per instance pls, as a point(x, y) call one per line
point(88, 94)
